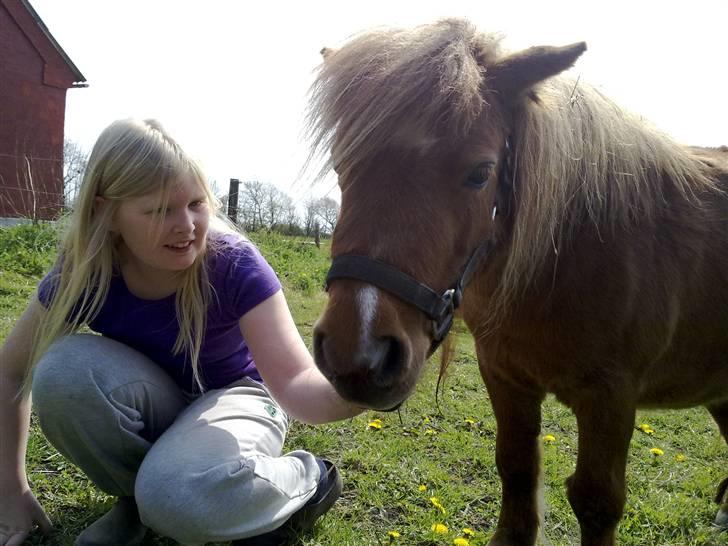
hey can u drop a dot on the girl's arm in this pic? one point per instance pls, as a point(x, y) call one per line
point(287, 367)
point(19, 509)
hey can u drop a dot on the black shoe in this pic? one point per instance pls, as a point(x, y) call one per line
point(328, 490)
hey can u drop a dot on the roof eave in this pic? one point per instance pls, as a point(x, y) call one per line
point(79, 79)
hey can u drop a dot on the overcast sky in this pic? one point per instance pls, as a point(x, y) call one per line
point(229, 78)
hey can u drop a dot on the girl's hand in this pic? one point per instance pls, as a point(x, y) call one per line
point(18, 513)
point(287, 367)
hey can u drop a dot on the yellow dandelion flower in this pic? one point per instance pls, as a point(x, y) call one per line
point(422, 488)
point(436, 503)
point(680, 458)
point(549, 439)
point(468, 532)
point(460, 541)
point(393, 534)
point(469, 421)
point(375, 424)
point(657, 452)
point(430, 431)
point(647, 429)
point(439, 529)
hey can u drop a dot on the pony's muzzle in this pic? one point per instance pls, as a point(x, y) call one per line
point(371, 375)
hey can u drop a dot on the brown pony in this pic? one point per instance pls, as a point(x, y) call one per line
point(589, 250)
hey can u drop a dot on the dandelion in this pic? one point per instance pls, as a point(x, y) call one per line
point(422, 488)
point(460, 541)
point(439, 529)
point(647, 429)
point(430, 431)
point(468, 532)
point(393, 535)
point(680, 458)
point(470, 422)
point(436, 503)
point(549, 439)
point(375, 424)
point(657, 452)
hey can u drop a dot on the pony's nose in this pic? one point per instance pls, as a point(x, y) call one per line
point(377, 362)
point(382, 358)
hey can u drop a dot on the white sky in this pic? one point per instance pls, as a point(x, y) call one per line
point(229, 78)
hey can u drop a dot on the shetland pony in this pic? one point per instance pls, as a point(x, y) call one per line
point(586, 252)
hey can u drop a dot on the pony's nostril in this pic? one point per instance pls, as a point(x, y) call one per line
point(384, 357)
point(319, 353)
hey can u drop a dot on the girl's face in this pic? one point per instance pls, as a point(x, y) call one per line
point(165, 241)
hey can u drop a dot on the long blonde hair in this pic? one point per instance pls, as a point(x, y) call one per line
point(131, 158)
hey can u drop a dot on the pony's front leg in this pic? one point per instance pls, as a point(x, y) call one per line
point(518, 458)
point(597, 490)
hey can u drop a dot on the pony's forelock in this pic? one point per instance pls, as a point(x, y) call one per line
point(426, 81)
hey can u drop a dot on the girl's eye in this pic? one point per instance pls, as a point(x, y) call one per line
point(197, 203)
point(479, 176)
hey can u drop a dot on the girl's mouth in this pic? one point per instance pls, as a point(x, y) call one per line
point(179, 247)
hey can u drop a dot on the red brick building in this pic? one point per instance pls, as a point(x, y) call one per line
point(35, 73)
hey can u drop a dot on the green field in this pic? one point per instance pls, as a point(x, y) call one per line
point(431, 463)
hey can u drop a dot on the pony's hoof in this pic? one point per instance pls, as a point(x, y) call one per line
point(721, 519)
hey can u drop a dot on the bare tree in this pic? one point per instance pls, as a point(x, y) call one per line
point(310, 207)
point(264, 206)
point(251, 199)
point(272, 206)
point(75, 160)
point(328, 212)
point(289, 214)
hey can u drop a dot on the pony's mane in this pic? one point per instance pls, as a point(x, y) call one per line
point(580, 158)
point(425, 80)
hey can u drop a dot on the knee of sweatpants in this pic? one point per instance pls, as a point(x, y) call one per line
point(62, 382)
point(191, 506)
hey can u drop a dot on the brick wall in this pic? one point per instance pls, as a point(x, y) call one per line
point(31, 128)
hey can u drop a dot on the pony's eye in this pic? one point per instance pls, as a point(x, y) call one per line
point(479, 176)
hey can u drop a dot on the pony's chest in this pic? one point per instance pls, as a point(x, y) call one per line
point(532, 359)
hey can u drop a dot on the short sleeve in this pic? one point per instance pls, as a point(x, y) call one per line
point(244, 275)
point(49, 286)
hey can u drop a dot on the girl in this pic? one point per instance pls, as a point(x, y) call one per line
point(179, 408)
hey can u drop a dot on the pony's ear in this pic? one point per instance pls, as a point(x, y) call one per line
point(518, 73)
point(326, 52)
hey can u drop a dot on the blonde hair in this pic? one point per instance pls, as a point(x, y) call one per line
point(131, 158)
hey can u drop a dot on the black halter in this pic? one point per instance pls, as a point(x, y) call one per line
point(440, 308)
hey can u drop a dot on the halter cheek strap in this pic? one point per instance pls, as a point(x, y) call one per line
point(440, 308)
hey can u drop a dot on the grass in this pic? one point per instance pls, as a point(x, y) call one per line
point(392, 473)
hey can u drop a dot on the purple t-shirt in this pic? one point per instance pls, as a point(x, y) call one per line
point(240, 278)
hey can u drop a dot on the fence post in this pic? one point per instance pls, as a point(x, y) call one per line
point(233, 200)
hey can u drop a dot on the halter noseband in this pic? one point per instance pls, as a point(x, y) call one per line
point(440, 308)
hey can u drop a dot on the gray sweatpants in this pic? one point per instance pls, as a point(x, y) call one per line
point(202, 470)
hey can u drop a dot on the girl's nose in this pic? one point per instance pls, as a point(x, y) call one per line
point(184, 222)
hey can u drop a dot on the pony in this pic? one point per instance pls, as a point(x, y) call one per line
point(586, 252)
